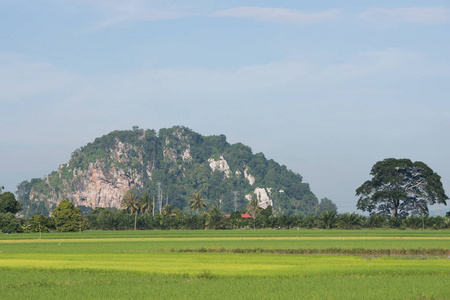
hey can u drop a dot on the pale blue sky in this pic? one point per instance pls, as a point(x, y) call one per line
point(325, 88)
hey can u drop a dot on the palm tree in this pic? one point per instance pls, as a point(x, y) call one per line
point(376, 221)
point(253, 210)
point(145, 205)
point(328, 219)
point(350, 221)
point(215, 218)
point(130, 202)
point(167, 210)
point(197, 202)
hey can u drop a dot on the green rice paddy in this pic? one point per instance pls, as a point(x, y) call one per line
point(267, 264)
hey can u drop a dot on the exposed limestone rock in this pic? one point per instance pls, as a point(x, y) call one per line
point(98, 186)
point(263, 196)
point(170, 155)
point(101, 192)
point(177, 146)
point(220, 165)
point(249, 177)
point(186, 156)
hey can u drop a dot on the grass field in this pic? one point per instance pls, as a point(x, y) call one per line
point(219, 264)
point(314, 233)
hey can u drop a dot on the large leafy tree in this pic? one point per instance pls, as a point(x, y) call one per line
point(400, 187)
point(9, 204)
point(9, 223)
point(67, 217)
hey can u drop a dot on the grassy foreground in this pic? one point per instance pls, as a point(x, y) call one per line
point(189, 265)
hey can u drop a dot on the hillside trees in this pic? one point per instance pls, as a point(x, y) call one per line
point(400, 187)
point(177, 157)
point(32, 206)
point(326, 204)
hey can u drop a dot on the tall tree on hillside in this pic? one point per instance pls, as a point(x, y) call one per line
point(325, 204)
point(400, 187)
point(197, 202)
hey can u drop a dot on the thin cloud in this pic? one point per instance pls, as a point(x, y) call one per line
point(23, 78)
point(420, 15)
point(117, 11)
point(278, 15)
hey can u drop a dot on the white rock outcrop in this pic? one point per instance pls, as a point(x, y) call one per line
point(186, 156)
point(249, 177)
point(221, 165)
point(263, 196)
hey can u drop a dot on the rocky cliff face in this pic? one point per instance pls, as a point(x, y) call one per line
point(98, 185)
point(100, 173)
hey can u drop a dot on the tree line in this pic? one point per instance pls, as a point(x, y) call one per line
point(67, 217)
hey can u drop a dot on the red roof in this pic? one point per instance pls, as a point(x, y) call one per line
point(246, 216)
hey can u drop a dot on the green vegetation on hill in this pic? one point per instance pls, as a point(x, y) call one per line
point(180, 159)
